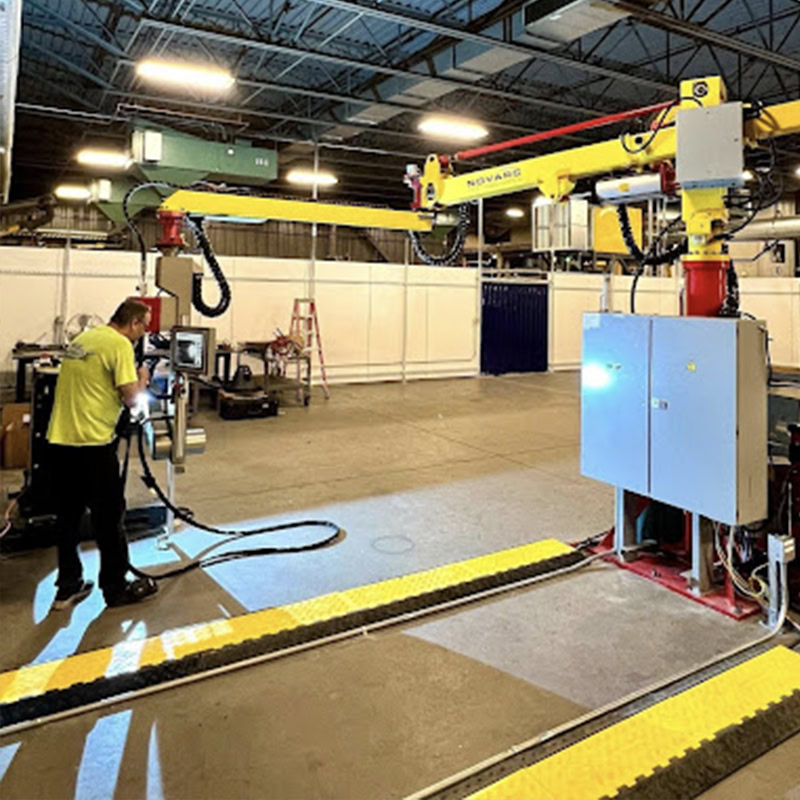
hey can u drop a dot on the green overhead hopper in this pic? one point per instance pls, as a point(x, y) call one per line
point(162, 154)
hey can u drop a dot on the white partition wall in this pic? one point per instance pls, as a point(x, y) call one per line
point(30, 297)
point(571, 293)
point(378, 321)
point(775, 300)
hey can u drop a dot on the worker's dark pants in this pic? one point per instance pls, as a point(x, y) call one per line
point(89, 477)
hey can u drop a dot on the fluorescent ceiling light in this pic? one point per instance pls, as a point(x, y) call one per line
point(69, 191)
point(515, 213)
point(113, 159)
point(747, 175)
point(209, 78)
point(462, 130)
point(308, 177)
point(797, 172)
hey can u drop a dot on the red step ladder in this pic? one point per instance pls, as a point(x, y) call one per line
point(305, 327)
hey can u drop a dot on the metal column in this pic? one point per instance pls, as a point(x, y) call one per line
point(624, 528)
point(702, 555)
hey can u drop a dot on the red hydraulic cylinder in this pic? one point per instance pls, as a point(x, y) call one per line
point(706, 285)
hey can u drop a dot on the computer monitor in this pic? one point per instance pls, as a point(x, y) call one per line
point(191, 350)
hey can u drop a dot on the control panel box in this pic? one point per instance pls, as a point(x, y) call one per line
point(710, 147)
point(675, 408)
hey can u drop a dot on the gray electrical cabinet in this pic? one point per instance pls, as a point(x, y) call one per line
point(615, 443)
point(689, 395)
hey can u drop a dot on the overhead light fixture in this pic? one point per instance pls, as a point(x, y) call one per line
point(515, 213)
point(210, 78)
point(71, 191)
point(111, 159)
point(307, 177)
point(748, 175)
point(541, 200)
point(454, 128)
point(797, 172)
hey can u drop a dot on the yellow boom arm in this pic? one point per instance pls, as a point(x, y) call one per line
point(219, 204)
point(556, 174)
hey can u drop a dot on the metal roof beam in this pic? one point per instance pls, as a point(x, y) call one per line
point(361, 101)
point(236, 40)
point(313, 122)
point(701, 34)
point(79, 30)
point(490, 41)
point(320, 94)
point(106, 119)
point(69, 65)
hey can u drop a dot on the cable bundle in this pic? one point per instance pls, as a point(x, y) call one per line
point(455, 251)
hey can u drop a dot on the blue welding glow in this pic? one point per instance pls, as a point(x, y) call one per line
point(7, 753)
point(102, 757)
point(595, 376)
point(155, 781)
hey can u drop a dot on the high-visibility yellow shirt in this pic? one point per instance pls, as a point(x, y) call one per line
point(87, 402)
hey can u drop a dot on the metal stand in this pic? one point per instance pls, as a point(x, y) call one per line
point(695, 583)
point(700, 580)
point(624, 528)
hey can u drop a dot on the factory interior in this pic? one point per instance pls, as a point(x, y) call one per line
point(399, 399)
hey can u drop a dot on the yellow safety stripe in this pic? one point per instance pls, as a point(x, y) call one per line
point(603, 764)
point(37, 679)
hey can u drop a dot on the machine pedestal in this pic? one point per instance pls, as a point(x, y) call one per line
point(674, 568)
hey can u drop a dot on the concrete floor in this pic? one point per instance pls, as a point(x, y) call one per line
point(419, 475)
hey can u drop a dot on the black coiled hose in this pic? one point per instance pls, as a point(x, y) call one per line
point(649, 259)
point(455, 251)
point(200, 305)
point(335, 533)
point(205, 247)
point(730, 306)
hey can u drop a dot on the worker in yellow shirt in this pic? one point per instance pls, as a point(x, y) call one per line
point(98, 376)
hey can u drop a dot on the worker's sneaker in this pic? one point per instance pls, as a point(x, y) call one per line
point(68, 596)
point(132, 592)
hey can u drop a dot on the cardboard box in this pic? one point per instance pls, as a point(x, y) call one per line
point(15, 433)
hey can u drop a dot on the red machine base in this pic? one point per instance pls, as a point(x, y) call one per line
point(671, 577)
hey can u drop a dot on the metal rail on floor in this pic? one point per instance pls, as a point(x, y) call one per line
point(497, 770)
point(677, 748)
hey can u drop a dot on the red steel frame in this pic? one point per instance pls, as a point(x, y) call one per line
point(672, 575)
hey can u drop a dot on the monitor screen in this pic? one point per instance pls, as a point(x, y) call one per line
point(189, 350)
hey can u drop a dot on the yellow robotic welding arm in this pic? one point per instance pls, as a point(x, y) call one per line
point(191, 206)
point(701, 135)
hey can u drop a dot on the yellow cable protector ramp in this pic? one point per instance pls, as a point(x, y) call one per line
point(55, 686)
